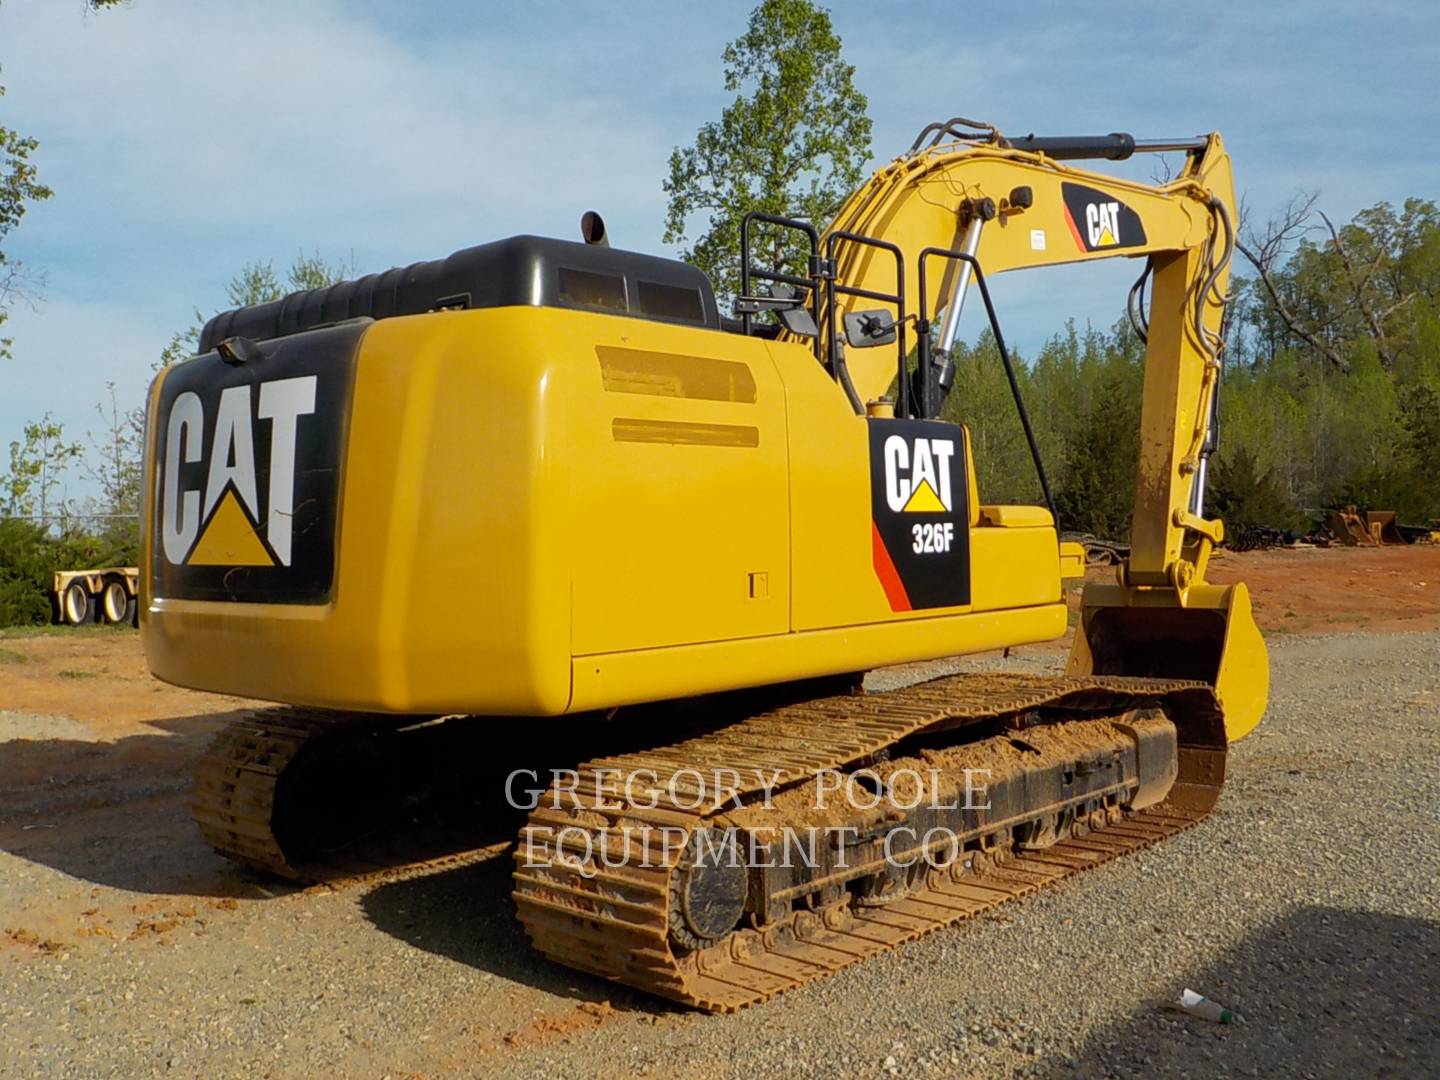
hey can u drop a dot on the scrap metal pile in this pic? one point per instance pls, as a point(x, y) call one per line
point(1346, 526)
point(1372, 528)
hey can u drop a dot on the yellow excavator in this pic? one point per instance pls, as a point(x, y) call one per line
point(544, 479)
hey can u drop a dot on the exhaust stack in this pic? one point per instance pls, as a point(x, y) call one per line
point(592, 228)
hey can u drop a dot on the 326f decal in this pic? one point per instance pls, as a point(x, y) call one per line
point(919, 513)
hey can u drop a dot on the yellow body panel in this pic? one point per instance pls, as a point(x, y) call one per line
point(621, 678)
point(680, 500)
point(453, 560)
point(546, 510)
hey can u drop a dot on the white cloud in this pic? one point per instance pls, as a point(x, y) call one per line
point(185, 139)
point(222, 120)
point(66, 351)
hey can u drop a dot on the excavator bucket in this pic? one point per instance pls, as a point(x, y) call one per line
point(1148, 633)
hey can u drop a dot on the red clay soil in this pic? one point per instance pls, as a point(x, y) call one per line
point(1331, 590)
point(96, 675)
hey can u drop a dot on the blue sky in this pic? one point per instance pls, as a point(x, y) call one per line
point(184, 138)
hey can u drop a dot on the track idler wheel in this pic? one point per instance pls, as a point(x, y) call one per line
point(708, 894)
point(336, 792)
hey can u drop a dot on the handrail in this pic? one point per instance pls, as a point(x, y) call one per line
point(837, 349)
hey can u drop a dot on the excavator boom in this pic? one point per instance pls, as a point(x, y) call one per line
point(957, 210)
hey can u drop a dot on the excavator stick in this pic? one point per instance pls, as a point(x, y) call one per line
point(1210, 636)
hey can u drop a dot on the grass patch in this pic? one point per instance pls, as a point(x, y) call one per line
point(71, 673)
point(10, 656)
point(57, 631)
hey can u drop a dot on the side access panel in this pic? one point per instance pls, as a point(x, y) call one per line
point(680, 494)
point(887, 524)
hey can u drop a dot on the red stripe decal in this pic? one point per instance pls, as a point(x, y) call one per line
point(1074, 231)
point(885, 571)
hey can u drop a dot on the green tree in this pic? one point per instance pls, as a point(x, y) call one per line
point(1357, 282)
point(314, 271)
point(1243, 494)
point(794, 140)
point(1335, 384)
point(1096, 488)
point(257, 283)
point(981, 400)
point(29, 556)
point(36, 465)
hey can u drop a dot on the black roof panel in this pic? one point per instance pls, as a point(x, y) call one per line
point(523, 270)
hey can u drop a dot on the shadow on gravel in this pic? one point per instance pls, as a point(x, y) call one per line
point(466, 915)
point(118, 813)
point(113, 813)
point(1322, 992)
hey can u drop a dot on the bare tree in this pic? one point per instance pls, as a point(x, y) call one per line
point(115, 467)
point(1360, 284)
point(1268, 250)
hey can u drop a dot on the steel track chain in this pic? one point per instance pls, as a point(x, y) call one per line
point(614, 920)
point(235, 787)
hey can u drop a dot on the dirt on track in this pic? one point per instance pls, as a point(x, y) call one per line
point(128, 948)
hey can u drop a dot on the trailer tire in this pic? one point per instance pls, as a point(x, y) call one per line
point(77, 605)
point(133, 616)
point(115, 603)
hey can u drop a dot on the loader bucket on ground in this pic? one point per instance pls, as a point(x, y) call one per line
point(1349, 528)
point(1146, 633)
point(1381, 524)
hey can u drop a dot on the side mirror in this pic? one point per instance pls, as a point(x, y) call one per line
point(866, 328)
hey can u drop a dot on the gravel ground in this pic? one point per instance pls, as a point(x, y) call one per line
point(1308, 903)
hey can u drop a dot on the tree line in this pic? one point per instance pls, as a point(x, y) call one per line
point(1330, 392)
